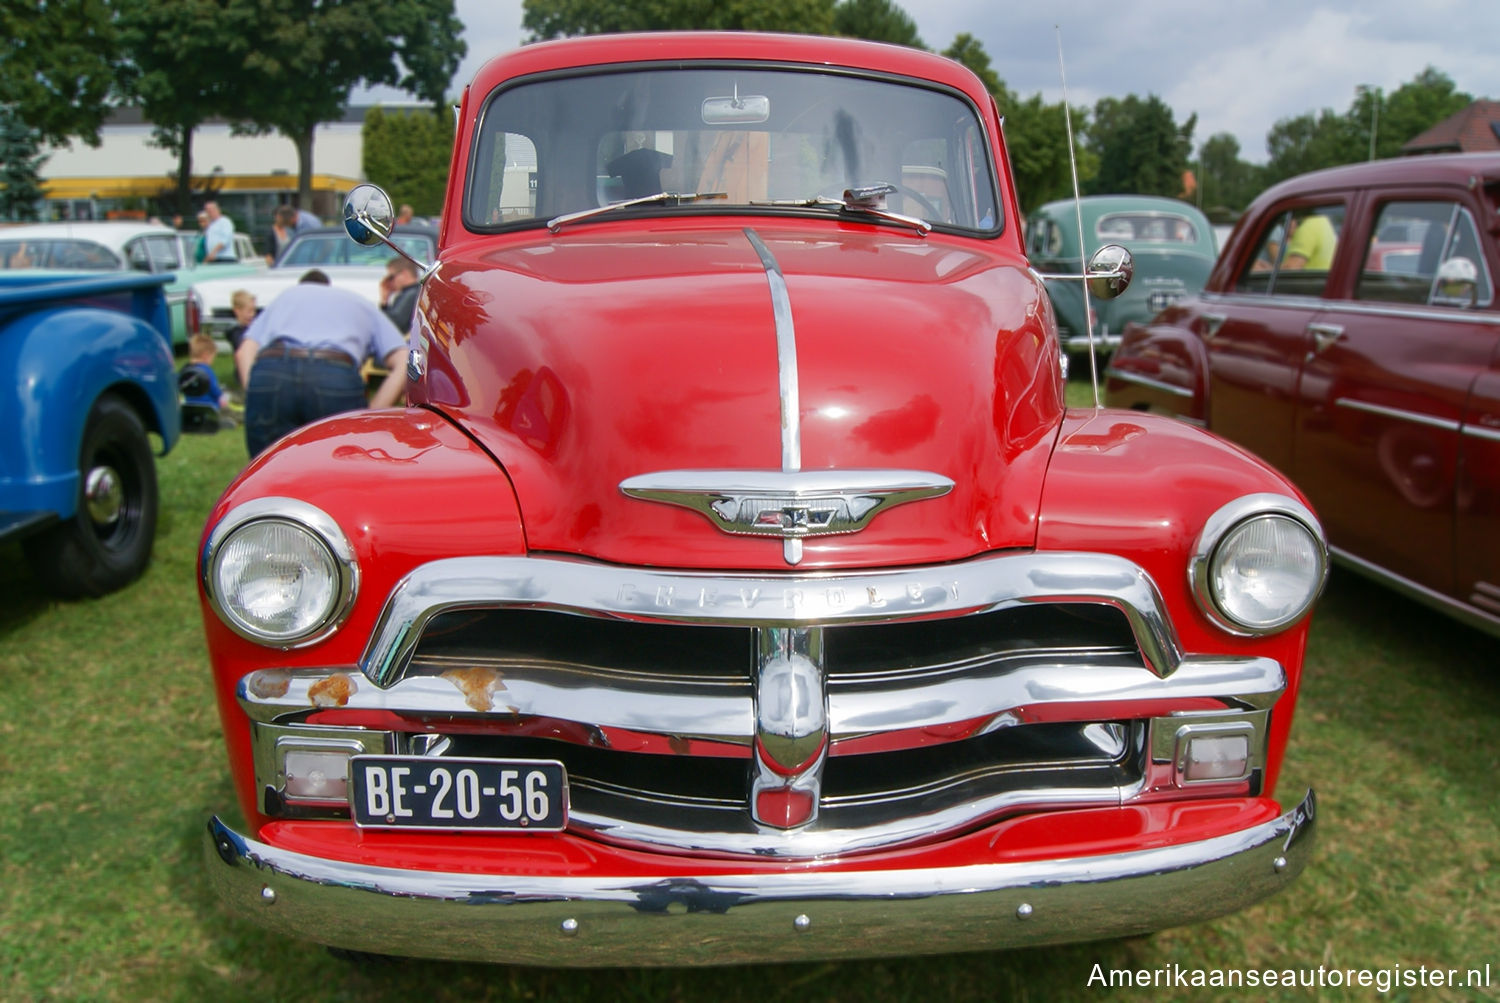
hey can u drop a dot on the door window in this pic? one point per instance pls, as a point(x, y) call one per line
point(1412, 243)
point(1295, 253)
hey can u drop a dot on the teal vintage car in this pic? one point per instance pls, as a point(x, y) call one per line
point(1171, 241)
point(123, 247)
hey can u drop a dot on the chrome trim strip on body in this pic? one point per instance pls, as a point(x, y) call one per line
point(1481, 432)
point(797, 913)
point(1414, 417)
point(1146, 381)
point(1030, 688)
point(767, 599)
point(1080, 342)
point(1371, 308)
point(1479, 619)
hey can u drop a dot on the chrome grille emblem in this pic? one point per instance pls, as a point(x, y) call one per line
point(787, 505)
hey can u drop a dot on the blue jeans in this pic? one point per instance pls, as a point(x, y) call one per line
point(287, 393)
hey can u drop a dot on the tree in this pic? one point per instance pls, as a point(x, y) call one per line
point(1140, 147)
point(183, 67)
point(559, 18)
point(1309, 141)
point(57, 71)
point(969, 51)
point(1413, 108)
point(1036, 133)
point(407, 152)
point(1226, 183)
point(876, 20)
point(1036, 137)
point(310, 54)
point(20, 168)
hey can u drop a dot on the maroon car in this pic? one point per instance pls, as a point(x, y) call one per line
point(1349, 334)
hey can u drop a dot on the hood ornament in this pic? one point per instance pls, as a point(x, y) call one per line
point(789, 505)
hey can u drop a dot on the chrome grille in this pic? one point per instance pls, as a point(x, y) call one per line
point(798, 715)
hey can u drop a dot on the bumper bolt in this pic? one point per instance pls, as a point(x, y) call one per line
point(569, 927)
point(1279, 863)
point(1023, 911)
point(802, 923)
point(268, 895)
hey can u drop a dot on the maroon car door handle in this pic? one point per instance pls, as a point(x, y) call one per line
point(1324, 335)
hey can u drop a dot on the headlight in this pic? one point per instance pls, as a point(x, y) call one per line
point(279, 571)
point(1260, 562)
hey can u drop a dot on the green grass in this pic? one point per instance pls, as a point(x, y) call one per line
point(111, 762)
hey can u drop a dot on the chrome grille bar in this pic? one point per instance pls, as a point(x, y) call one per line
point(766, 600)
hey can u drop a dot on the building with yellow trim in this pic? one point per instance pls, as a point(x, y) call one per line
point(127, 176)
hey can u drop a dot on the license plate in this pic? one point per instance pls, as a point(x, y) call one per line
point(417, 792)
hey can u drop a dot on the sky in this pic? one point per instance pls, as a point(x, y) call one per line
point(1241, 66)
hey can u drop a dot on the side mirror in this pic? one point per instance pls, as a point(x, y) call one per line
point(1109, 271)
point(1457, 283)
point(368, 215)
point(369, 220)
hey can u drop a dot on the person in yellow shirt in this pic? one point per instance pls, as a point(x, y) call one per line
point(1312, 244)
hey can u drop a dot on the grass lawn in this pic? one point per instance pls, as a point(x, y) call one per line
point(111, 762)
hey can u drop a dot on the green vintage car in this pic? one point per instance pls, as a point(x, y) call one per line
point(121, 247)
point(1172, 243)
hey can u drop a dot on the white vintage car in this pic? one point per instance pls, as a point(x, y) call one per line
point(327, 249)
point(125, 246)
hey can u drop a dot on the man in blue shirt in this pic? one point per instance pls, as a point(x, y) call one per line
point(299, 360)
point(218, 238)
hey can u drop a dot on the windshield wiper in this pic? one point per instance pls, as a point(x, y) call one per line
point(677, 198)
point(866, 199)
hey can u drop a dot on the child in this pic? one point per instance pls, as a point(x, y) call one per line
point(242, 302)
point(201, 352)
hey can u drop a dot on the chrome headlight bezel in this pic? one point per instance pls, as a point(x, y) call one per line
point(1222, 526)
point(321, 529)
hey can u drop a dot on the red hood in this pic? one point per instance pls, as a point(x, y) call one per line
point(604, 352)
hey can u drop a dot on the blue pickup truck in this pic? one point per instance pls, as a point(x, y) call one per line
point(86, 376)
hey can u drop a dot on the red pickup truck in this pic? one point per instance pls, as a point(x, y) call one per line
point(735, 584)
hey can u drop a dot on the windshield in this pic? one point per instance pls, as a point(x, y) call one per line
point(731, 138)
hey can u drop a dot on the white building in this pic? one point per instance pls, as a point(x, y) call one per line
point(126, 176)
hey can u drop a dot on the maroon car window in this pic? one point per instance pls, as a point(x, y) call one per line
point(1411, 244)
point(1295, 253)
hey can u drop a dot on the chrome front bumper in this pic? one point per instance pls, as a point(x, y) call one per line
point(793, 915)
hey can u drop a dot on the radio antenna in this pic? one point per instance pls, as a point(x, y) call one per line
point(1088, 306)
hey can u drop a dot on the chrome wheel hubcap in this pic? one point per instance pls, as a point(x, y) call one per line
point(104, 495)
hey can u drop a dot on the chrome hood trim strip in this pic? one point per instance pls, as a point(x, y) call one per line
point(786, 356)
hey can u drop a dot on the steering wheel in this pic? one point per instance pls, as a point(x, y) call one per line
point(929, 211)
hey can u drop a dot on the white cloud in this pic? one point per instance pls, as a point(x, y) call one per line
point(1240, 66)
